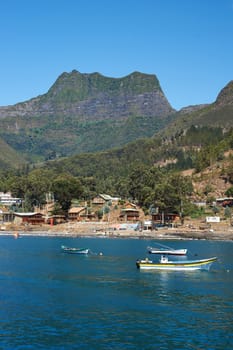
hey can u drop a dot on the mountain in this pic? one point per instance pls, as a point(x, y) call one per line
point(86, 113)
point(225, 97)
point(125, 120)
point(176, 145)
point(9, 157)
point(218, 114)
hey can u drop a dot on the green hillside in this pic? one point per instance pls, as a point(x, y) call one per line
point(178, 153)
point(218, 114)
point(95, 142)
point(9, 158)
point(148, 170)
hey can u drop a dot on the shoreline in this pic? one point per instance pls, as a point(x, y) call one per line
point(94, 230)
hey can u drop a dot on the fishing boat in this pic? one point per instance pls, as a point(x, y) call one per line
point(167, 251)
point(185, 265)
point(70, 250)
point(163, 249)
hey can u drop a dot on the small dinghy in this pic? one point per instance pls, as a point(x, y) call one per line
point(163, 249)
point(70, 250)
point(167, 251)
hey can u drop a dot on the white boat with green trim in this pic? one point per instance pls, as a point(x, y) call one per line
point(167, 251)
point(184, 265)
point(163, 249)
point(70, 250)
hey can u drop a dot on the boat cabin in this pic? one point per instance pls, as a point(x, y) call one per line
point(163, 259)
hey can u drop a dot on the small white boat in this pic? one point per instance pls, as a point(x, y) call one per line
point(169, 251)
point(185, 265)
point(70, 250)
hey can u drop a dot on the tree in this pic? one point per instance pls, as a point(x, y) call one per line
point(65, 188)
point(137, 180)
point(229, 192)
point(171, 193)
point(227, 212)
point(39, 183)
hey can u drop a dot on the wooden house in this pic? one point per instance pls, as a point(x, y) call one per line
point(98, 201)
point(225, 202)
point(129, 213)
point(103, 199)
point(164, 218)
point(55, 219)
point(80, 214)
point(29, 218)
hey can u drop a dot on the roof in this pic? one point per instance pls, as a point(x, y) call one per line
point(27, 214)
point(224, 199)
point(76, 210)
point(107, 197)
point(131, 205)
point(130, 209)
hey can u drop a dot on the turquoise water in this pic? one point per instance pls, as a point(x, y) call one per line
point(50, 300)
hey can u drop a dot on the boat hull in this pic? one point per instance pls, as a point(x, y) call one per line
point(68, 250)
point(190, 265)
point(167, 252)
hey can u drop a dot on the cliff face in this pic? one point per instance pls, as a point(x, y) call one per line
point(86, 113)
point(225, 97)
point(95, 97)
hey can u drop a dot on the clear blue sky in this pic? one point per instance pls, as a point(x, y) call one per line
point(187, 44)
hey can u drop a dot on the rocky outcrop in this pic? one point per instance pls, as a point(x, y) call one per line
point(95, 97)
point(225, 97)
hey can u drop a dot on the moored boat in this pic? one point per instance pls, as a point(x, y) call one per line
point(185, 265)
point(70, 250)
point(167, 251)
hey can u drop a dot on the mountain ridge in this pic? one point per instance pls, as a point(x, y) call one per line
point(217, 114)
point(86, 113)
point(75, 88)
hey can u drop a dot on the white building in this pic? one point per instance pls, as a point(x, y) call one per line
point(7, 200)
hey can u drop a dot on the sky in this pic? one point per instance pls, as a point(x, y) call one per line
point(187, 44)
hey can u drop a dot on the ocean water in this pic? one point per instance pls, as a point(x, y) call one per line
point(52, 300)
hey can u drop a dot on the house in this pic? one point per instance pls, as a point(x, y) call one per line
point(74, 214)
point(6, 199)
point(6, 216)
point(98, 201)
point(80, 214)
point(164, 218)
point(28, 218)
point(225, 201)
point(129, 213)
point(103, 199)
point(55, 219)
point(147, 225)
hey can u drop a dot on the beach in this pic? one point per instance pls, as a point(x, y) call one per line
point(221, 231)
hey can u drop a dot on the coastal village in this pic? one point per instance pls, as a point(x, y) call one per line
point(119, 218)
point(115, 213)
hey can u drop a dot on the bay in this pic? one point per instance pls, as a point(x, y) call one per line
point(52, 300)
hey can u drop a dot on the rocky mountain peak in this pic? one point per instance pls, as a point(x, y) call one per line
point(94, 96)
point(75, 86)
point(225, 97)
